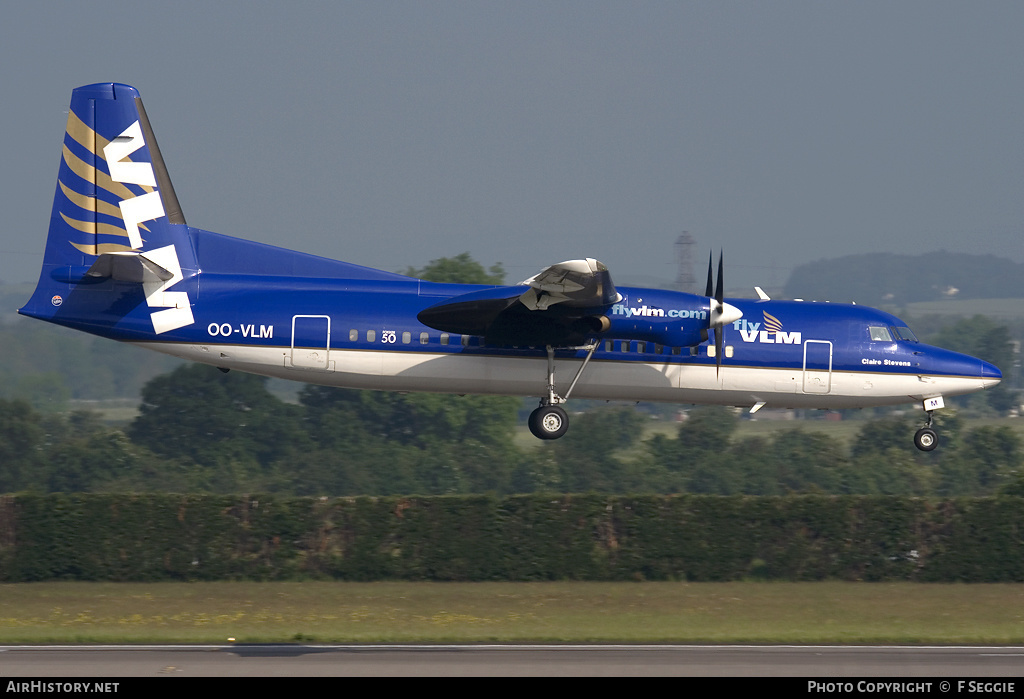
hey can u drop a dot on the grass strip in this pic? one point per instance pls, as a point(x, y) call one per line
point(555, 612)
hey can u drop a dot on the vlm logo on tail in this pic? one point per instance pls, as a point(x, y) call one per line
point(772, 332)
point(148, 207)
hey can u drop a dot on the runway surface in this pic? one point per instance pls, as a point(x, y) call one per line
point(510, 660)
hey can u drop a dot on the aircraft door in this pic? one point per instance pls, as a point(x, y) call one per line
point(817, 366)
point(311, 342)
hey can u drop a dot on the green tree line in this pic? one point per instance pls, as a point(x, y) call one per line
point(200, 430)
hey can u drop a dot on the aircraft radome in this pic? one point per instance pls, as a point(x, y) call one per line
point(121, 262)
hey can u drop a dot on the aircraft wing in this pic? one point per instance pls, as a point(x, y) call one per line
point(578, 283)
point(560, 306)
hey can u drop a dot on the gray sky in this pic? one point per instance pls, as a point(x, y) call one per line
point(392, 133)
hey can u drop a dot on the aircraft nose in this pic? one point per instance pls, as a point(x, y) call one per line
point(990, 374)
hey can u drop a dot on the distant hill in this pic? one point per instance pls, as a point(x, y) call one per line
point(897, 280)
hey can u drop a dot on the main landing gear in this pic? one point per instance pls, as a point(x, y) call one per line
point(550, 421)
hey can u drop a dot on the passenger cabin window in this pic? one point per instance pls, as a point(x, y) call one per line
point(879, 333)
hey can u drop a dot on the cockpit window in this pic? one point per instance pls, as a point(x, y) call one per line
point(879, 333)
point(902, 332)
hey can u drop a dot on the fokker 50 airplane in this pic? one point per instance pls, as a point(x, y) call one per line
point(121, 262)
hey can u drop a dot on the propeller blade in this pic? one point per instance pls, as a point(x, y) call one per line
point(720, 291)
point(721, 312)
point(709, 291)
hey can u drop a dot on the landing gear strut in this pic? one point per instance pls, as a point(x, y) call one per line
point(926, 438)
point(549, 421)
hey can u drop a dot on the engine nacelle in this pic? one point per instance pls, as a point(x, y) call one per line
point(667, 318)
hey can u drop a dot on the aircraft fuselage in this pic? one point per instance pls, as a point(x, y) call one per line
point(364, 334)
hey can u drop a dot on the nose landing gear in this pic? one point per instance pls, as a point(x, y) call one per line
point(927, 438)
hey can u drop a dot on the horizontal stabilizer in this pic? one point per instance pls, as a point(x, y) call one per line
point(128, 267)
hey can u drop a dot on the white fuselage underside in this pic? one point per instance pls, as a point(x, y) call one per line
point(603, 379)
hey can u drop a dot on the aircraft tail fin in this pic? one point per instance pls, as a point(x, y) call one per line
point(120, 260)
point(115, 214)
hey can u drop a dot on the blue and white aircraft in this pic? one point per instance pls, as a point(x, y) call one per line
point(121, 262)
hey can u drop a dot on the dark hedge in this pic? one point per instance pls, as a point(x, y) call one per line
point(529, 537)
